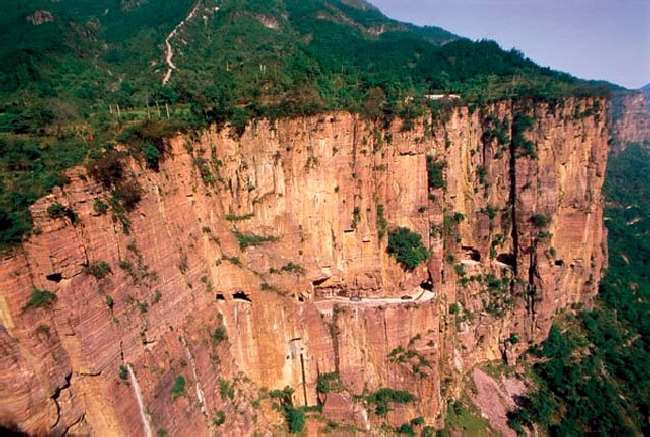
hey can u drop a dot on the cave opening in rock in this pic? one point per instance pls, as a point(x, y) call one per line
point(241, 296)
point(472, 254)
point(318, 282)
point(507, 258)
point(559, 262)
point(220, 296)
point(54, 277)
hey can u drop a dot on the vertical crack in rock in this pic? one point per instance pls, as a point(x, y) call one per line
point(532, 289)
point(335, 339)
point(66, 431)
point(513, 199)
point(55, 397)
point(304, 383)
point(199, 391)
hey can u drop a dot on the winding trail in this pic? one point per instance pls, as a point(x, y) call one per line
point(169, 50)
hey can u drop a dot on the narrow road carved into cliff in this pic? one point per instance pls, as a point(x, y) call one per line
point(418, 296)
point(169, 50)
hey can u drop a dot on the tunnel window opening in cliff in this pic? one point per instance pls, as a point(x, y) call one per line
point(507, 259)
point(318, 282)
point(54, 277)
point(220, 296)
point(472, 254)
point(559, 262)
point(10, 429)
point(240, 295)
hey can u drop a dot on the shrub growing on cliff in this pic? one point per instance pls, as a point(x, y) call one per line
point(406, 429)
point(540, 220)
point(56, 210)
point(238, 218)
point(406, 246)
point(100, 207)
point(226, 389)
point(179, 387)
point(295, 417)
point(205, 171)
point(39, 298)
point(246, 240)
point(219, 335)
point(383, 397)
point(219, 418)
point(481, 173)
point(490, 211)
point(328, 382)
point(435, 173)
point(382, 223)
point(108, 168)
point(123, 372)
point(496, 128)
point(520, 125)
point(465, 419)
point(293, 268)
point(152, 155)
point(129, 193)
point(99, 269)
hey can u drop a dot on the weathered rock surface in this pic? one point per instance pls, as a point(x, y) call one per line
point(630, 120)
point(40, 17)
point(313, 184)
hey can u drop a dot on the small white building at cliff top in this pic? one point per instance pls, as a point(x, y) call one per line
point(442, 96)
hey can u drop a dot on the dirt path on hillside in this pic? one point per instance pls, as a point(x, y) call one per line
point(169, 50)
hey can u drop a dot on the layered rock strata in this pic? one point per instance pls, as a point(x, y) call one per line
point(259, 262)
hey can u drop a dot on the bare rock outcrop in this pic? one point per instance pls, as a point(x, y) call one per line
point(40, 17)
point(630, 119)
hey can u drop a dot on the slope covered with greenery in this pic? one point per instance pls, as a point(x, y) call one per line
point(73, 81)
point(593, 371)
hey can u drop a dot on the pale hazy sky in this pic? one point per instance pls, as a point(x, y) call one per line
point(591, 39)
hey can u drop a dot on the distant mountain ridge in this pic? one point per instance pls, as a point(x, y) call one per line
point(646, 90)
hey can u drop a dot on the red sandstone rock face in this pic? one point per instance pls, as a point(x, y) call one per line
point(630, 120)
point(314, 184)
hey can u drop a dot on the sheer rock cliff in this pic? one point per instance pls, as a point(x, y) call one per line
point(514, 239)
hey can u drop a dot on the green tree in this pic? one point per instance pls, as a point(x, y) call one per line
point(406, 246)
